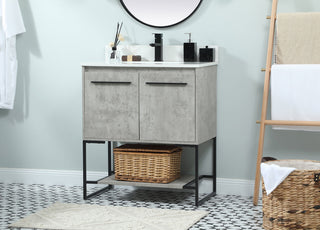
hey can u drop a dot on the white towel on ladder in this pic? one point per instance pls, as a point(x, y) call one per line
point(295, 94)
point(11, 24)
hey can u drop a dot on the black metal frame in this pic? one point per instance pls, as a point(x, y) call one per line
point(199, 178)
point(85, 181)
point(186, 186)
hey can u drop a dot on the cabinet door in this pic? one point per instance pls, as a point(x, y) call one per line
point(167, 105)
point(111, 107)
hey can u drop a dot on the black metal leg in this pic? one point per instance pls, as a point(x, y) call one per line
point(85, 181)
point(214, 164)
point(196, 175)
point(110, 162)
point(109, 158)
point(84, 158)
point(198, 178)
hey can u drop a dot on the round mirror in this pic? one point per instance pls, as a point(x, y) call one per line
point(161, 13)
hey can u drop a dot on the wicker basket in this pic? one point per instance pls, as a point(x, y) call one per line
point(295, 203)
point(147, 163)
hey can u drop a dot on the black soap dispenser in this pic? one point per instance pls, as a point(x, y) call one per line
point(190, 50)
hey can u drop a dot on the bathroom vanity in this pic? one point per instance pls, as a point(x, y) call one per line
point(150, 102)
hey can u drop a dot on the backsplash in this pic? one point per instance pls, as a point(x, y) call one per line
point(171, 53)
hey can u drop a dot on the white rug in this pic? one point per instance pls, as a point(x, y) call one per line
point(93, 217)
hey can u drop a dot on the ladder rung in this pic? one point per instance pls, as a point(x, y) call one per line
point(293, 123)
point(264, 69)
point(269, 17)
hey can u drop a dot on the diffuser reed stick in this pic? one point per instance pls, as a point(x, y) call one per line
point(118, 37)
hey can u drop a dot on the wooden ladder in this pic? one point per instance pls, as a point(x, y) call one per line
point(263, 122)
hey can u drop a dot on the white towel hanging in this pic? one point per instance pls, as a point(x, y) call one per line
point(295, 94)
point(11, 24)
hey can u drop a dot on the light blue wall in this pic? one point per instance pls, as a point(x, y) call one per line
point(44, 129)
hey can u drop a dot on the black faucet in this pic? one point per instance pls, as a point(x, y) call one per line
point(158, 47)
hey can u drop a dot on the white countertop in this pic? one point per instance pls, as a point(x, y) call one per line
point(153, 64)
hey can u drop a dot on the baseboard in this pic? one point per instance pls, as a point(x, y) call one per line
point(45, 176)
point(74, 178)
point(240, 187)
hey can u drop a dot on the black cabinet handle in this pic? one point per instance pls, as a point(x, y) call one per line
point(112, 82)
point(167, 83)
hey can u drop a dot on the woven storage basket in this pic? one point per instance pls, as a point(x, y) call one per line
point(295, 203)
point(147, 163)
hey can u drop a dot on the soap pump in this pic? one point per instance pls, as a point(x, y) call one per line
point(189, 50)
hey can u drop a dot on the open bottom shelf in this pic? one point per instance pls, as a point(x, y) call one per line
point(177, 184)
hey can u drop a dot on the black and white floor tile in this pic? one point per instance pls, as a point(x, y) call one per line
point(225, 211)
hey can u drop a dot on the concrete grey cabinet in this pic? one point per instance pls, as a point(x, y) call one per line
point(150, 104)
point(110, 104)
point(167, 105)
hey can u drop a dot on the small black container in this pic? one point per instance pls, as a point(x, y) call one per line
point(206, 54)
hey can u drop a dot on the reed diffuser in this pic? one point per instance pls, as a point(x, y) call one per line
point(114, 56)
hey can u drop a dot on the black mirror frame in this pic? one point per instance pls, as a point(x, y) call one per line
point(128, 11)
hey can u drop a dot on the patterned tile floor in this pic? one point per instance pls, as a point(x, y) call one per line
point(225, 211)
